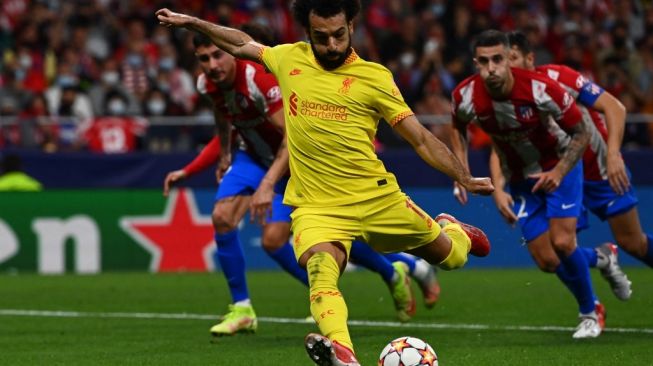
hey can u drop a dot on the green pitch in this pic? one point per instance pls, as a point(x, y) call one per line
point(484, 317)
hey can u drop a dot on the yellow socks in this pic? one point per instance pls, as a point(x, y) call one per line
point(460, 245)
point(327, 304)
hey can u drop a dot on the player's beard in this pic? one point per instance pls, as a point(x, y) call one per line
point(329, 63)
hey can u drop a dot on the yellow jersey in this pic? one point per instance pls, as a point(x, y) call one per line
point(331, 120)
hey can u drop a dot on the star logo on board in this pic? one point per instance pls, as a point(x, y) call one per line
point(180, 239)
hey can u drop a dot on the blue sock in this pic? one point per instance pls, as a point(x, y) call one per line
point(285, 257)
point(399, 257)
point(232, 262)
point(590, 255)
point(364, 255)
point(648, 258)
point(574, 272)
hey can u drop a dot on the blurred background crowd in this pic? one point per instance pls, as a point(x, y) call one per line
point(101, 75)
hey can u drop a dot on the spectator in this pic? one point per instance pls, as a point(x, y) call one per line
point(116, 132)
point(175, 81)
point(162, 135)
point(110, 82)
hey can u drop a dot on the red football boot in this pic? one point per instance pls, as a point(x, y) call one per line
point(480, 242)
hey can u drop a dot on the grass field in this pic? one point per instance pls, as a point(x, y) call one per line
point(484, 317)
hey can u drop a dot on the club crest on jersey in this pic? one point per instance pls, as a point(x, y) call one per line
point(525, 112)
point(346, 85)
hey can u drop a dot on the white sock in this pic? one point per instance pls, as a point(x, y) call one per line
point(246, 302)
point(421, 270)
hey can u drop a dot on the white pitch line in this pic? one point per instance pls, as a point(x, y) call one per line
point(360, 323)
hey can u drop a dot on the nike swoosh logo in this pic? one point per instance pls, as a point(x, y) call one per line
point(566, 207)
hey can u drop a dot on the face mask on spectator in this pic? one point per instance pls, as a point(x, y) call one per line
point(431, 46)
point(164, 86)
point(65, 81)
point(167, 63)
point(407, 59)
point(156, 106)
point(116, 107)
point(134, 60)
point(110, 77)
point(438, 9)
point(161, 39)
point(25, 61)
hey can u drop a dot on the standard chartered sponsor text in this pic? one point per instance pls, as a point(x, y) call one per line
point(323, 110)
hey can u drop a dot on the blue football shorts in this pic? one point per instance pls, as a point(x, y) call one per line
point(243, 178)
point(604, 202)
point(535, 209)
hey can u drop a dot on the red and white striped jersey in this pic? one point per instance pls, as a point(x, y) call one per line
point(254, 97)
point(529, 129)
point(595, 157)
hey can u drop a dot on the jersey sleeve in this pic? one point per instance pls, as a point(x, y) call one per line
point(271, 92)
point(588, 91)
point(271, 57)
point(461, 107)
point(209, 155)
point(389, 101)
point(551, 98)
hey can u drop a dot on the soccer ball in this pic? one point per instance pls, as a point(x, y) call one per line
point(408, 351)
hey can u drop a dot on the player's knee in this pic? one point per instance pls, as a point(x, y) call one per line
point(456, 259)
point(272, 243)
point(275, 236)
point(563, 243)
point(222, 221)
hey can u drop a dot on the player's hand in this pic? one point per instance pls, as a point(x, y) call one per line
point(169, 18)
point(260, 206)
point(460, 193)
point(617, 175)
point(482, 186)
point(172, 178)
point(223, 166)
point(505, 203)
point(546, 181)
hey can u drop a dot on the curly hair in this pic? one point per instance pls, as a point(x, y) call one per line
point(324, 8)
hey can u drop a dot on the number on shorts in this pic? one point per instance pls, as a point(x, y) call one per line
point(521, 212)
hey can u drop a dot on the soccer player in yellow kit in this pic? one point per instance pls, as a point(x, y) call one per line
point(340, 189)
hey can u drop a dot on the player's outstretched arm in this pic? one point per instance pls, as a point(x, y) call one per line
point(438, 155)
point(615, 117)
point(231, 40)
point(502, 199)
point(459, 149)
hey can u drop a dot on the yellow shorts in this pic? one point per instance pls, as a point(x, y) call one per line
point(391, 223)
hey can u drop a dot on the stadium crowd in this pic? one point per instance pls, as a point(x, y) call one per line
point(101, 75)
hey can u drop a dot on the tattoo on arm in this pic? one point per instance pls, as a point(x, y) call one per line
point(580, 136)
